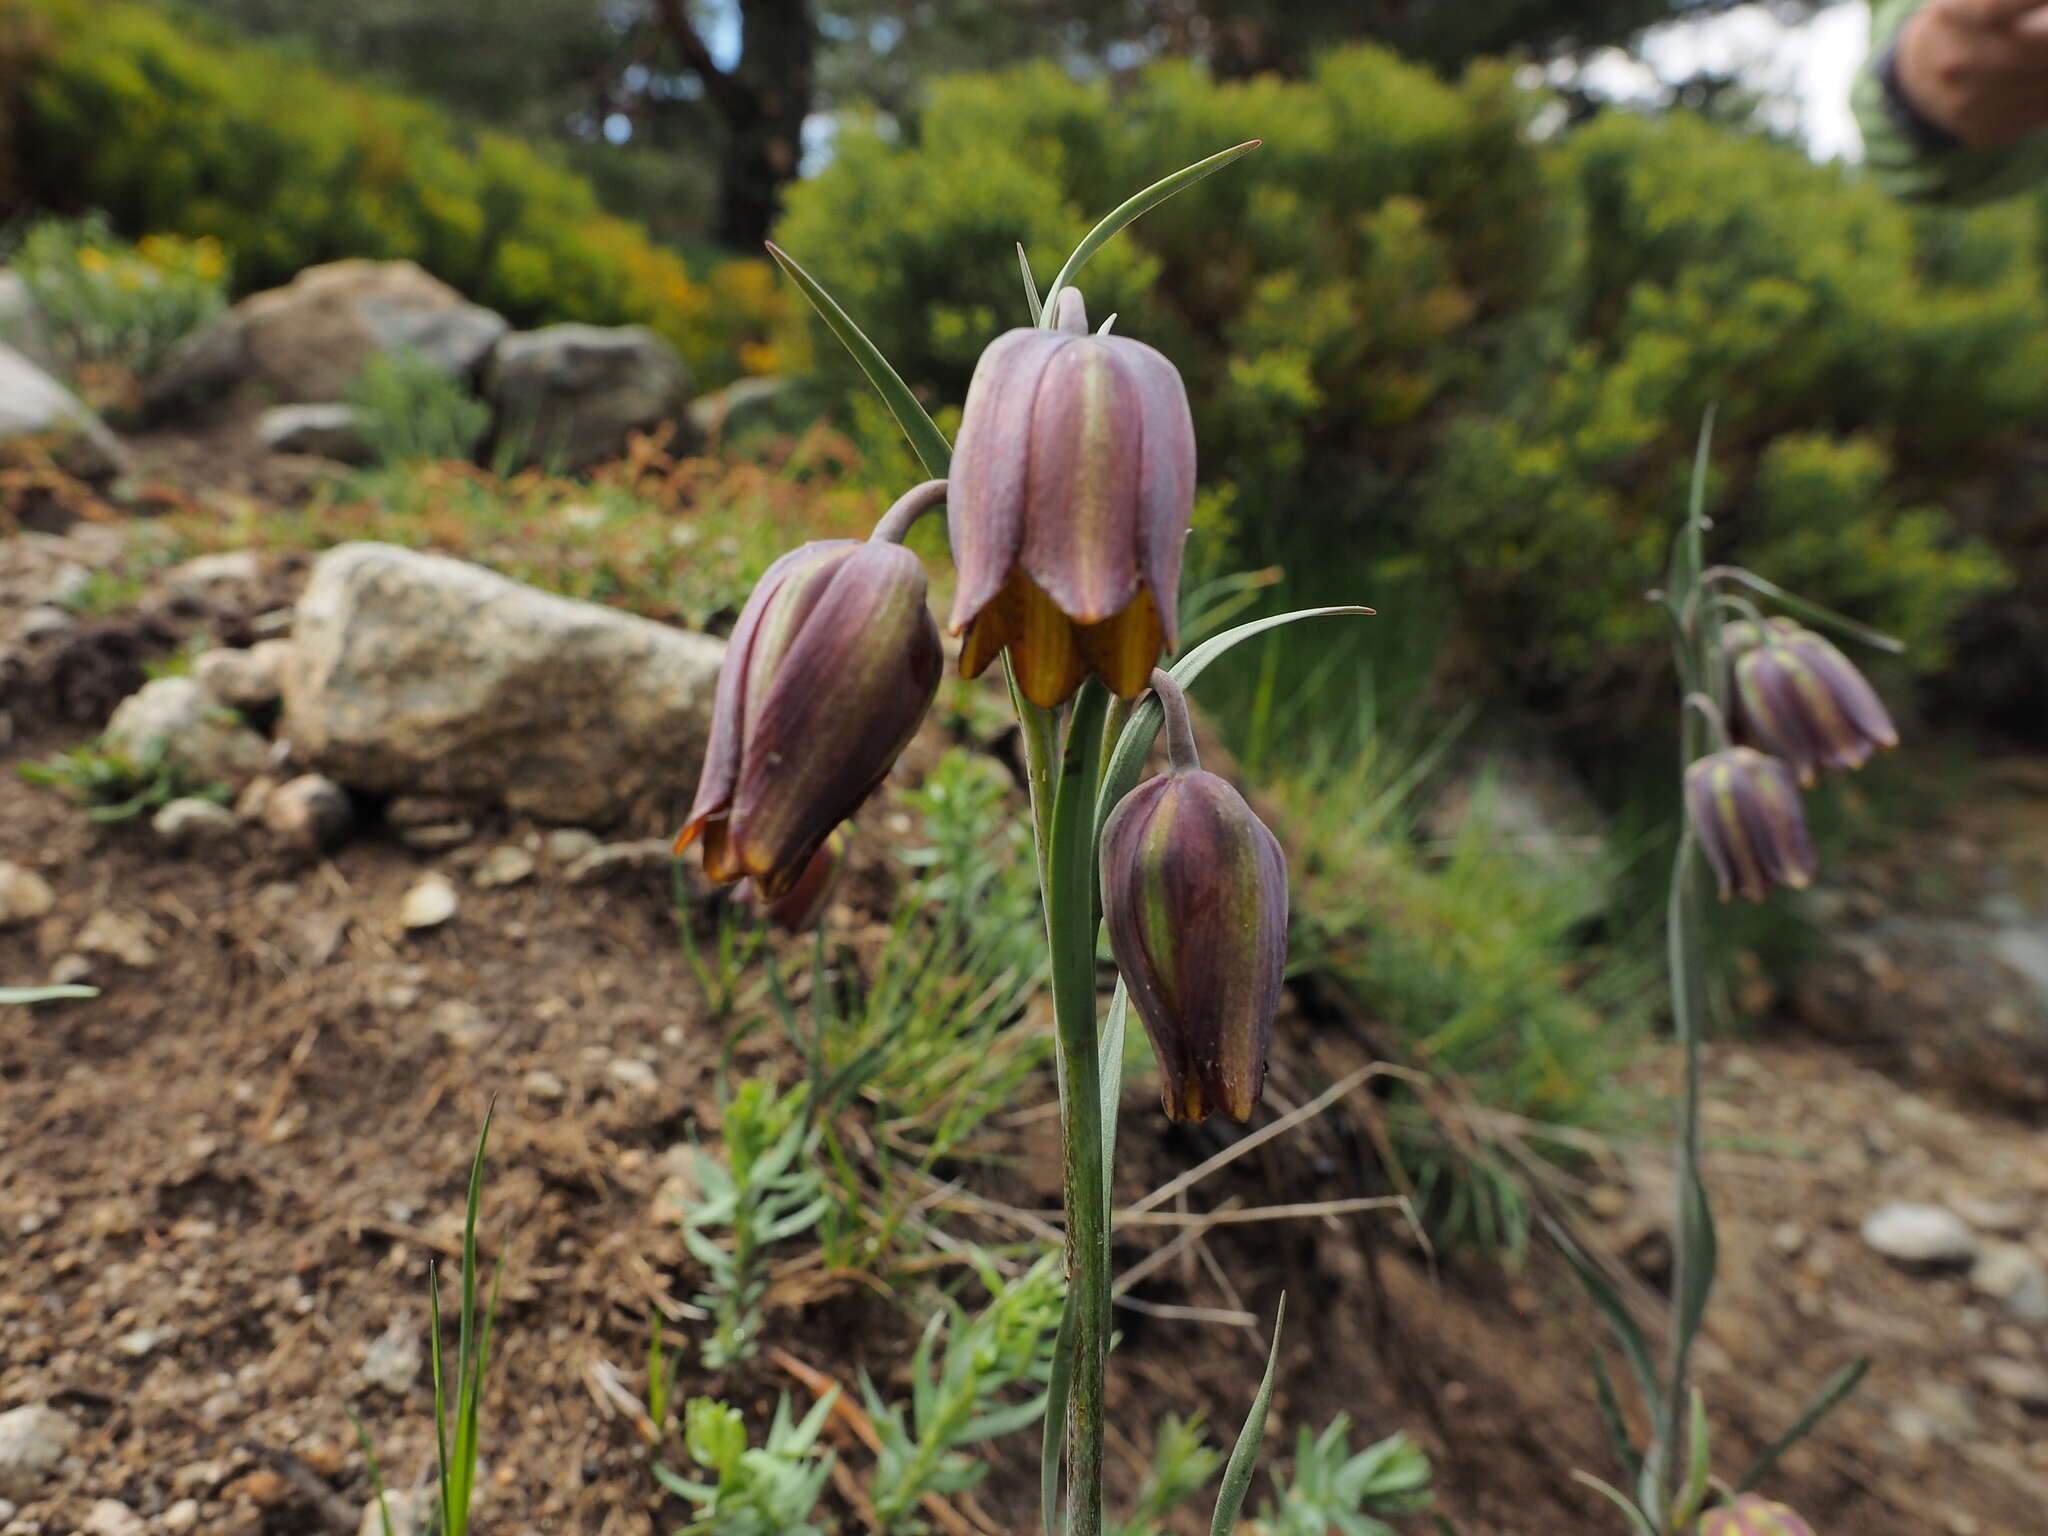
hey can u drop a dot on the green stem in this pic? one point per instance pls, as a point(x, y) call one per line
point(1070, 909)
point(1688, 1008)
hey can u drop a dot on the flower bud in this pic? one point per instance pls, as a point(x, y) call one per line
point(833, 663)
point(803, 903)
point(1752, 1515)
point(1072, 488)
point(1194, 889)
point(1799, 697)
point(1745, 809)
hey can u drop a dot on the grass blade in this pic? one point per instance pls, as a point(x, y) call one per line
point(1058, 1388)
point(1638, 1523)
point(1244, 1456)
point(926, 439)
point(1825, 1402)
point(1630, 1334)
point(1030, 283)
point(1613, 1421)
point(1109, 1055)
point(1131, 208)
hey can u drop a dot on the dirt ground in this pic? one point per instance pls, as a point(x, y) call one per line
point(222, 1182)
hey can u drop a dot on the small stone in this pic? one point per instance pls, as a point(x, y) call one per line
point(33, 1439)
point(462, 1024)
point(272, 625)
point(44, 620)
point(543, 1086)
point(311, 812)
point(430, 903)
point(1928, 1235)
point(189, 727)
point(71, 971)
point(633, 1074)
point(117, 936)
point(140, 1342)
point(2011, 1274)
point(608, 861)
point(330, 431)
point(2024, 1383)
point(2000, 1217)
point(243, 679)
point(506, 864)
point(392, 1361)
point(24, 894)
point(254, 797)
point(438, 837)
point(110, 1517)
point(1610, 1202)
point(263, 1487)
point(217, 578)
point(565, 845)
point(190, 822)
point(406, 1512)
point(1789, 1238)
point(425, 810)
point(179, 1518)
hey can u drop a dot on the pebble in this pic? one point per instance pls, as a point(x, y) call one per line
point(190, 822)
point(70, 970)
point(117, 936)
point(1928, 1235)
point(110, 1517)
point(262, 1487)
point(1999, 1217)
point(393, 1358)
point(543, 1086)
point(430, 903)
point(461, 1023)
point(1789, 1238)
point(243, 679)
point(311, 812)
point(407, 1513)
point(33, 1439)
point(222, 577)
point(506, 864)
point(2025, 1384)
point(179, 1518)
point(272, 625)
point(437, 836)
point(634, 1075)
point(141, 1342)
point(2011, 1274)
point(24, 894)
point(45, 620)
point(565, 845)
point(607, 861)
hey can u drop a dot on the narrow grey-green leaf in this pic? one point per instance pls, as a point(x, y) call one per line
point(1810, 612)
point(1829, 1398)
point(1130, 209)
point(1638, 1522)
point(1613, 1420)
point(25, 995)
point(1030, 283)
point(1059, 1388)
point(1127, 761)
point(1244, 1456)
point(925, 437)
point(1110, 1064)
point(1629, 1333)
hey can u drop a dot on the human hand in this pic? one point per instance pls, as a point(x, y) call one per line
point(1977, 68)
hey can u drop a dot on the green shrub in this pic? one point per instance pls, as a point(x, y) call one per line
point(409, 411)
point(114, 304)
point(126, 108)
point(1413, 328)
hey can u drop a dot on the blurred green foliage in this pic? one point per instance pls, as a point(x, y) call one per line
point(114, 304)
point(118, 106)
point(1411, 325)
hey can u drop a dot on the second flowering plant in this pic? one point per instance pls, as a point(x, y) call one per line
point(1068, 501)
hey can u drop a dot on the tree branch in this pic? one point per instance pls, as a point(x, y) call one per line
point(732, 99)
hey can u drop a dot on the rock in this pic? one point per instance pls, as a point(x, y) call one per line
point(23, 324)
point(110, 1517)
point(407, 1513)
point(311, 812)
point(633, 1074)
point(44, 620)
point(180, 1518)
point(460, 1022)
point(430, 903)
point(734, 407)
point(24, 894)
point(190, 728)
point(307, 341)
point(570, 395)
point(140, 1342)
point(272, 624)
point(225, 579)
point(68, 583)
point(2022, 1381)
point(33, 1439)
point(1927, 1235)
point(1789, 1238)
point(2001, 1217)
point(439, 836)
point(255, 796)
point(329, 431)
point(71, 970)
point(36, 409)
point(2011, 1274)
point(392, 1361)
point(506, 864)
point(243, 679)
point(565, 845)
point(190, 822)
point(425, 810)
point(543, 1086)
point(609, 861)
point(119, 937)
point(414, 672)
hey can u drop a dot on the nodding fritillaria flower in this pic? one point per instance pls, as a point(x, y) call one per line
point(833, 663)
point(1744, 808)
point(1073, 485)
point(1752, 1515)
point(800, 907)
point(1194, 890)
point(1800, 698)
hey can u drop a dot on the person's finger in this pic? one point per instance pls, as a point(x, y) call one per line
point(2033, 27)
point(1995, 13)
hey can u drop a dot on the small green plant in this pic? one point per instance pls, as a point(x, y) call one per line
point(22, 997)
point(766, 1191)
point(108, 591)
point(410, 411)
point(1183, 1462)
point(766, 1490)
point(114, 787)
point(111, 303)
point(961, 1397)
point(1331, 1489)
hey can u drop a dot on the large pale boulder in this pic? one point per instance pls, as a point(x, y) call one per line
point(35, 408)
point(415, 673)
point(23, 325)
point(570, 395)
point(308, 340)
